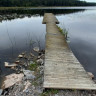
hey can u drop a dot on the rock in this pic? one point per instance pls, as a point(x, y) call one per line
point(26, 57)
point(32, 54)
point(23, 53)
point(36, 49)
point(42, 56)
point(31, 62)
point(17, 62)
point(13, 68)
point(27, 84)
point(29, 74)
point(91, 75)
point(10, 80)
point(20, 56)
point(40, 61)
point(56, 95)
point(9, 65)
point(1, 92)
point(39, 57)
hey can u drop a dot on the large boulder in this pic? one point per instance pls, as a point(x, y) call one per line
point(12, 79)
point(29, 74)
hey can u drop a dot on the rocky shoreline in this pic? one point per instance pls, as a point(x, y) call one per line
point(28, 79)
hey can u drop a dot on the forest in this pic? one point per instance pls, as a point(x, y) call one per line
point(41, 3)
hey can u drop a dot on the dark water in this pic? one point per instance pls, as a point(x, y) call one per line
point(17, 34)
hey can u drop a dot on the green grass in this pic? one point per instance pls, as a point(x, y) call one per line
point(33, 66)
point(48, 92)
point(64, 32)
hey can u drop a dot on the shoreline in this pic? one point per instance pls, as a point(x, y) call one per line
point(31, 84)
point(38, 7)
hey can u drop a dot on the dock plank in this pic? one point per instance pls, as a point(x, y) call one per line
point(62, 70)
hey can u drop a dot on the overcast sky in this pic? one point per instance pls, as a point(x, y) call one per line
point(89, 0)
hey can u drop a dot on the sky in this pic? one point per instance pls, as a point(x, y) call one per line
point(89, 0)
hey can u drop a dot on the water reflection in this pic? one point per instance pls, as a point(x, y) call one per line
point(82, 32)
point(22, 13)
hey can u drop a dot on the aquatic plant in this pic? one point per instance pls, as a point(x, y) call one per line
point(64, 31)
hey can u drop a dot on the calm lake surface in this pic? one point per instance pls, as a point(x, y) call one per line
point(16, 34)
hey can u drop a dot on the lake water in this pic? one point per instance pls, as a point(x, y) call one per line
point(26, 27)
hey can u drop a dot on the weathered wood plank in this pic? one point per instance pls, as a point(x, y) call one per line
point(62, 69)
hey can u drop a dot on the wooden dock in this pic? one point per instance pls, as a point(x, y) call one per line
point(62, 70)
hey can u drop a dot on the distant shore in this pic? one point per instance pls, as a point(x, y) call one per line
point(40, 7)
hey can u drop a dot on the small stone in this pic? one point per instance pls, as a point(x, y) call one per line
point(33, 87)
point(56, 95)
point(12, 67)
point(42, 56)
point(36, 49)
point(27, 84)
point(23, 53)
point(31, 62)
point(1, 92)
point(40, 61)
point(17, 62)
point(20, 56)
point(32, 54)
point(91, 75)
point(39, 57)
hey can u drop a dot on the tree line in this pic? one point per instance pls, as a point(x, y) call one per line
point(28, 3)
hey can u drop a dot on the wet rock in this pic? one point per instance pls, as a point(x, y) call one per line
point(32, 54)
point(39, 57)
point(40, 61)
point(26, 57)
point(20, 56)
point(1, 92)
point(36, 49)
point(17, 62)
point(91, 75)
point(13, 68)
point(9, 65)
point(23, 53)
point(29, 74)
point(10, 80)
point(42, 56)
